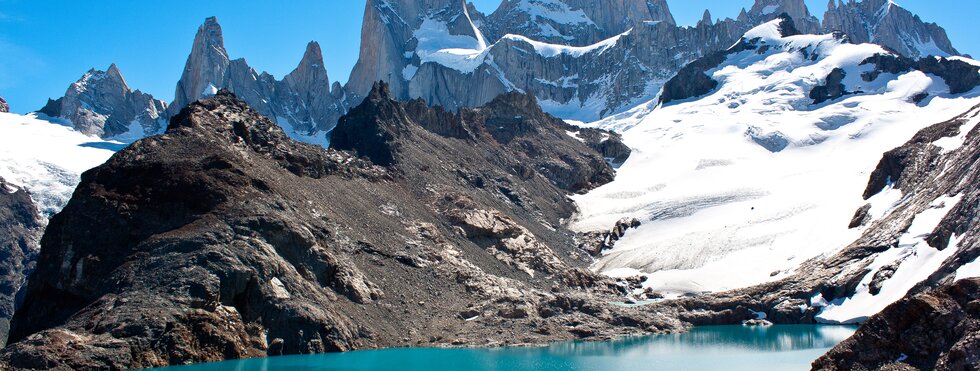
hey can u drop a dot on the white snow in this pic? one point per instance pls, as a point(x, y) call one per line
point(917, 261)
point(743, 185)
point(209, 90)
point(769, 9)
point(460, 52)
point(318, 138)
point(949, 144)
point(409, 72)
point(47, 158)
point(968, 270)
point(553, 50)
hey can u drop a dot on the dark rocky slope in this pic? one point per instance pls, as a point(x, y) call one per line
point(936, 330)
point(20, 231)
point(224, 239)
point(4, 107)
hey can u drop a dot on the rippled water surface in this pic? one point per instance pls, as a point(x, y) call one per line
point(704, 348)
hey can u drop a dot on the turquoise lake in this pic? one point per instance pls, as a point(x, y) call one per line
point(703, 348)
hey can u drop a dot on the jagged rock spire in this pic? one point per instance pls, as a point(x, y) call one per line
point(706, 19)
point(206, 65)
point(310, 76)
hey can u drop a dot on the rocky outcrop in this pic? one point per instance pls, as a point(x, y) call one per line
point(102, 104)
point(4, 107)
point(886, 23)
point(833, 87)
point(595, 243)
point(960, 76)
point(222, 239)
point(935, 330)
point(20, 232)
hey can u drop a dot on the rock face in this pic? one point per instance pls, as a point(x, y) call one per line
point(102, 104)
point(224, 239)
point(400, 33)
point(303, 101)
point(20, 231)
point(766, 10)
point(3, 105)
point(886, 23)
point(935, 330)
point(573, 22)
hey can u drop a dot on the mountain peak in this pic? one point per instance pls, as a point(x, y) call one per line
point(886, 23)
point(206, 65)
point(706, 18)
point(313, 54)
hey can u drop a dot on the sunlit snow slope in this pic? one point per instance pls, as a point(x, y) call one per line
point(742, 185)
point(47, 158)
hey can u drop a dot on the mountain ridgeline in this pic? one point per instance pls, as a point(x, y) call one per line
point(582, 60)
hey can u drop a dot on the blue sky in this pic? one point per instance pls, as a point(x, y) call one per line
point(47, 44)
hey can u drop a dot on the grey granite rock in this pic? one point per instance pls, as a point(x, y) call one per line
point(303, 100)
point(102, 104)
point(886, 23)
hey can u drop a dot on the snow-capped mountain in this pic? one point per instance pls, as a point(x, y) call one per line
point(742, 183)
point(583, 60)
point(102, 104)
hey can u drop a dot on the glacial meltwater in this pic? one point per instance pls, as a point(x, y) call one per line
point(703, 348)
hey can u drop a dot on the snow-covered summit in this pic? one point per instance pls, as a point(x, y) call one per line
point(102, 104)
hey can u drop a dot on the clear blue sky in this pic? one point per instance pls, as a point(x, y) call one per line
point(47, 44)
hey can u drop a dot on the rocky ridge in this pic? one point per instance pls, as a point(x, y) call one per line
point(4, 107)
point(231, 240)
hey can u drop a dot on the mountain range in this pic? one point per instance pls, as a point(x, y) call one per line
point(582, 60)
point(771, 168)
